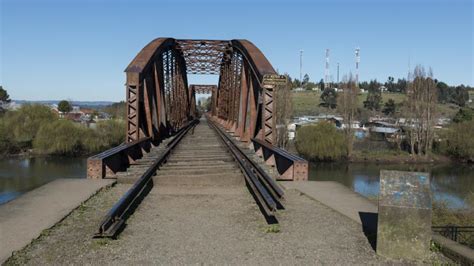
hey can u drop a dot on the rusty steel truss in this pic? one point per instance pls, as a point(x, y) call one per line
point(160, 101)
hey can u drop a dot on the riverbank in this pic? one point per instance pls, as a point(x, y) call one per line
point(384, 156)
point(392, 156)
point(18, 175)
point(31, 154)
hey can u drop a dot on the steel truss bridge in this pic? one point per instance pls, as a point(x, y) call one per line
point(160, 100)
point(161, 105)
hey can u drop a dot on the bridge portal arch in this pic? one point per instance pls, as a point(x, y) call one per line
point(160, 100)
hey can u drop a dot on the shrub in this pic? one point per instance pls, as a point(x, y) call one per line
point(112, 132)
point(61, 137)
point(26, 121)
point(459, 142)
point(464, 114)
point(7, 145)
point(108, 134)
point(322, 142)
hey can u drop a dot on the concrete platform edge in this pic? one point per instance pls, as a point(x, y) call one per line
point(451, 249)
point(7, 251)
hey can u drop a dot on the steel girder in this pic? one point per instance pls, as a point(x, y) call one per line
point(159, 100)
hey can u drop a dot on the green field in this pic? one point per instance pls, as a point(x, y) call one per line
point(307, 103)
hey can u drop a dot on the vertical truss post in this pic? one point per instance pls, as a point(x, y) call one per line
point(159, 97)
point(146, 102)
point(253, 109)
point(243, 105)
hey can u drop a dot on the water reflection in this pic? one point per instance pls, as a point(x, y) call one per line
point(18, 176)
point(452, 183)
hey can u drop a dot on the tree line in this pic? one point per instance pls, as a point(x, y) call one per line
point(36, 129)
point(419, 109)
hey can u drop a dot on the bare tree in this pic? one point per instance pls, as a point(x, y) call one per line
point(347, 107)
point(420, 111)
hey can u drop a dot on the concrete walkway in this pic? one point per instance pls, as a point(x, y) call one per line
point(338, 197)
point(24, 218)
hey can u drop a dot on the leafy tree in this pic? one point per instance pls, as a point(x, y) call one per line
point(64, 106)
point(401, 85)
point(389, 107)
point(117, 110)
point(374, 97)
point(7, 144)
point(321, 85)
point(4, 97)
point(390, 84)
point(458, 95)
point(296, 84)
point(329, 98)
point(460, 143)
point(443, 92)
point(25, 122)
point(322, 142)
point(61, 137)
point(364, 85)
point(464, 114)
point(305, 79)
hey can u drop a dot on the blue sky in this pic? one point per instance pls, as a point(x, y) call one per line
point(77, 50)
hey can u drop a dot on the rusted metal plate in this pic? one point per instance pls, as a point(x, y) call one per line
point(274, 79)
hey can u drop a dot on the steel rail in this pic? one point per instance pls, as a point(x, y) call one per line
point(115, 218)
point(265, 190)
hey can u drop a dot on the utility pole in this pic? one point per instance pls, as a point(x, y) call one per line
point(357, 57)
point(301, 66)
point(338, 74)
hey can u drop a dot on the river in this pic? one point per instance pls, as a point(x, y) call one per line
point(18, 176)
point(451, 183)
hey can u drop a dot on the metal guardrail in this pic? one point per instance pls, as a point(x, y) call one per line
point(116, 159)
point(265, 190)
point(461, 234)
point(115, 218)
point(289, 166)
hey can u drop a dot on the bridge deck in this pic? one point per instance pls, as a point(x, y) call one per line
point(195, 217)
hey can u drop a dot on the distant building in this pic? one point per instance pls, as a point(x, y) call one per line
point(12, 106)
point(380, 130)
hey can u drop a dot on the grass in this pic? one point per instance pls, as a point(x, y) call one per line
point(272, 228)
point(99, 243)
point(393, 156)
point(307, 103)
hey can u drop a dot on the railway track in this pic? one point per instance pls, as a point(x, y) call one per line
point(208, 158)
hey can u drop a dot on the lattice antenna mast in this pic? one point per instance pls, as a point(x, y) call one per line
point(301, 66)
point(357, 61)
point(326, 70)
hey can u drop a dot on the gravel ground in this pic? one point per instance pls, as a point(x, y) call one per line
point(223, 226)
